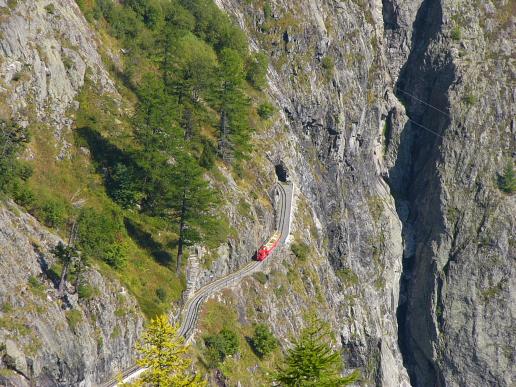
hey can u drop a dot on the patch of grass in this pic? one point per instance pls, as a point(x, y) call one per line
point(74, 318)
point(266, 110)
point(244, 209)
point(15, 325)
point(470, 99)
point(215, 317)
point(261, 277)
point(301, 250)
point(67, 62)
point(7, 307)
point(87, 292)
point(36, 287)
point(120, 312)
point(375, 205)
point(347, 276)
point(117, 332)
point(50, 8)
point(456, 33)
point(328, 65)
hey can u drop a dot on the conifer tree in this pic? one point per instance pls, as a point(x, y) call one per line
point(312, 361)
point(233, 106)
point(508, 183)
point(192, 201)
point(165, 356)
point(66, 256)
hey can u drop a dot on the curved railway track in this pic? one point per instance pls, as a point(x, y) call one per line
point(191, 310)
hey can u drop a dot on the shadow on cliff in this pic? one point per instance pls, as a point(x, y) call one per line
point(414, 180)
point(147, 242)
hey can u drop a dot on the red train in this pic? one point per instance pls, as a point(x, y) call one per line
point(264, 251)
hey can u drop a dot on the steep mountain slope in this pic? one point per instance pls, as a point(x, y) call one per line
point(395, 121)
point(449, 63)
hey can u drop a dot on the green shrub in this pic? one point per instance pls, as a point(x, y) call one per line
point(87, 292)
point(98, 232)
point(456, 33)
point(470, 99)
point(300, 250)
point(161, 294)
point(507, 182)
point(221, 345)
point(74, 318)
point(115, 256)
point(263, 340)
point(52, 213)
point(257, 70)
point(23, 195)
point(266, 110)
point(50, 8)
point(347, 276)
point(13, 139)
point(328, 63)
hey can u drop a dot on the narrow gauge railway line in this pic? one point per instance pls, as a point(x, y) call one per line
point(191, 310)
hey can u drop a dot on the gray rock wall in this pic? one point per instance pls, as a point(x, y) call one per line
point(421, 98)
point(49, 341)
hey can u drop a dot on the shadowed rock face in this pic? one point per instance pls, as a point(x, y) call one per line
point(438, 134)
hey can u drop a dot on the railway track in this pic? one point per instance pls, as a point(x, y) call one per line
point(191, 310)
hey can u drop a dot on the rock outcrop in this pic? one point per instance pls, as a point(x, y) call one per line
point(415, 94)
point(47, 340)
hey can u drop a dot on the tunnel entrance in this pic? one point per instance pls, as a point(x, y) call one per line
point(281, 172)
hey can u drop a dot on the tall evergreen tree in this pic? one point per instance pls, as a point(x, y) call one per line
point(233, 106)
point(165, 356)
point(191, 200)
point(312, 361)
point(508, 181)
point(66, 256)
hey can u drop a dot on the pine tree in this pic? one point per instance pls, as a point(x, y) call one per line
point(508, 183)
point(192, 201)
point(165, 356)
point(66, 255)
point(233, 106)
point(312, 361)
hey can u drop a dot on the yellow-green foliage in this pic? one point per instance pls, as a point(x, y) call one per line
point(165, 356)
point(74, 318)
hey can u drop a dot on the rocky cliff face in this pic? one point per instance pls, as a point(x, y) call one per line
point(46, 340)
point(400, 117)
point(46, 49)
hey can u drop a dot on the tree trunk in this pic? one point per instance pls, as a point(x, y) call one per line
point(188, 123)
point(78, 277)
point(223, 143)
point(62, 281)
point(180, 243)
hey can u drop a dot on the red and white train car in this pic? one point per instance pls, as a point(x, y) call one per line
point(267, 248)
